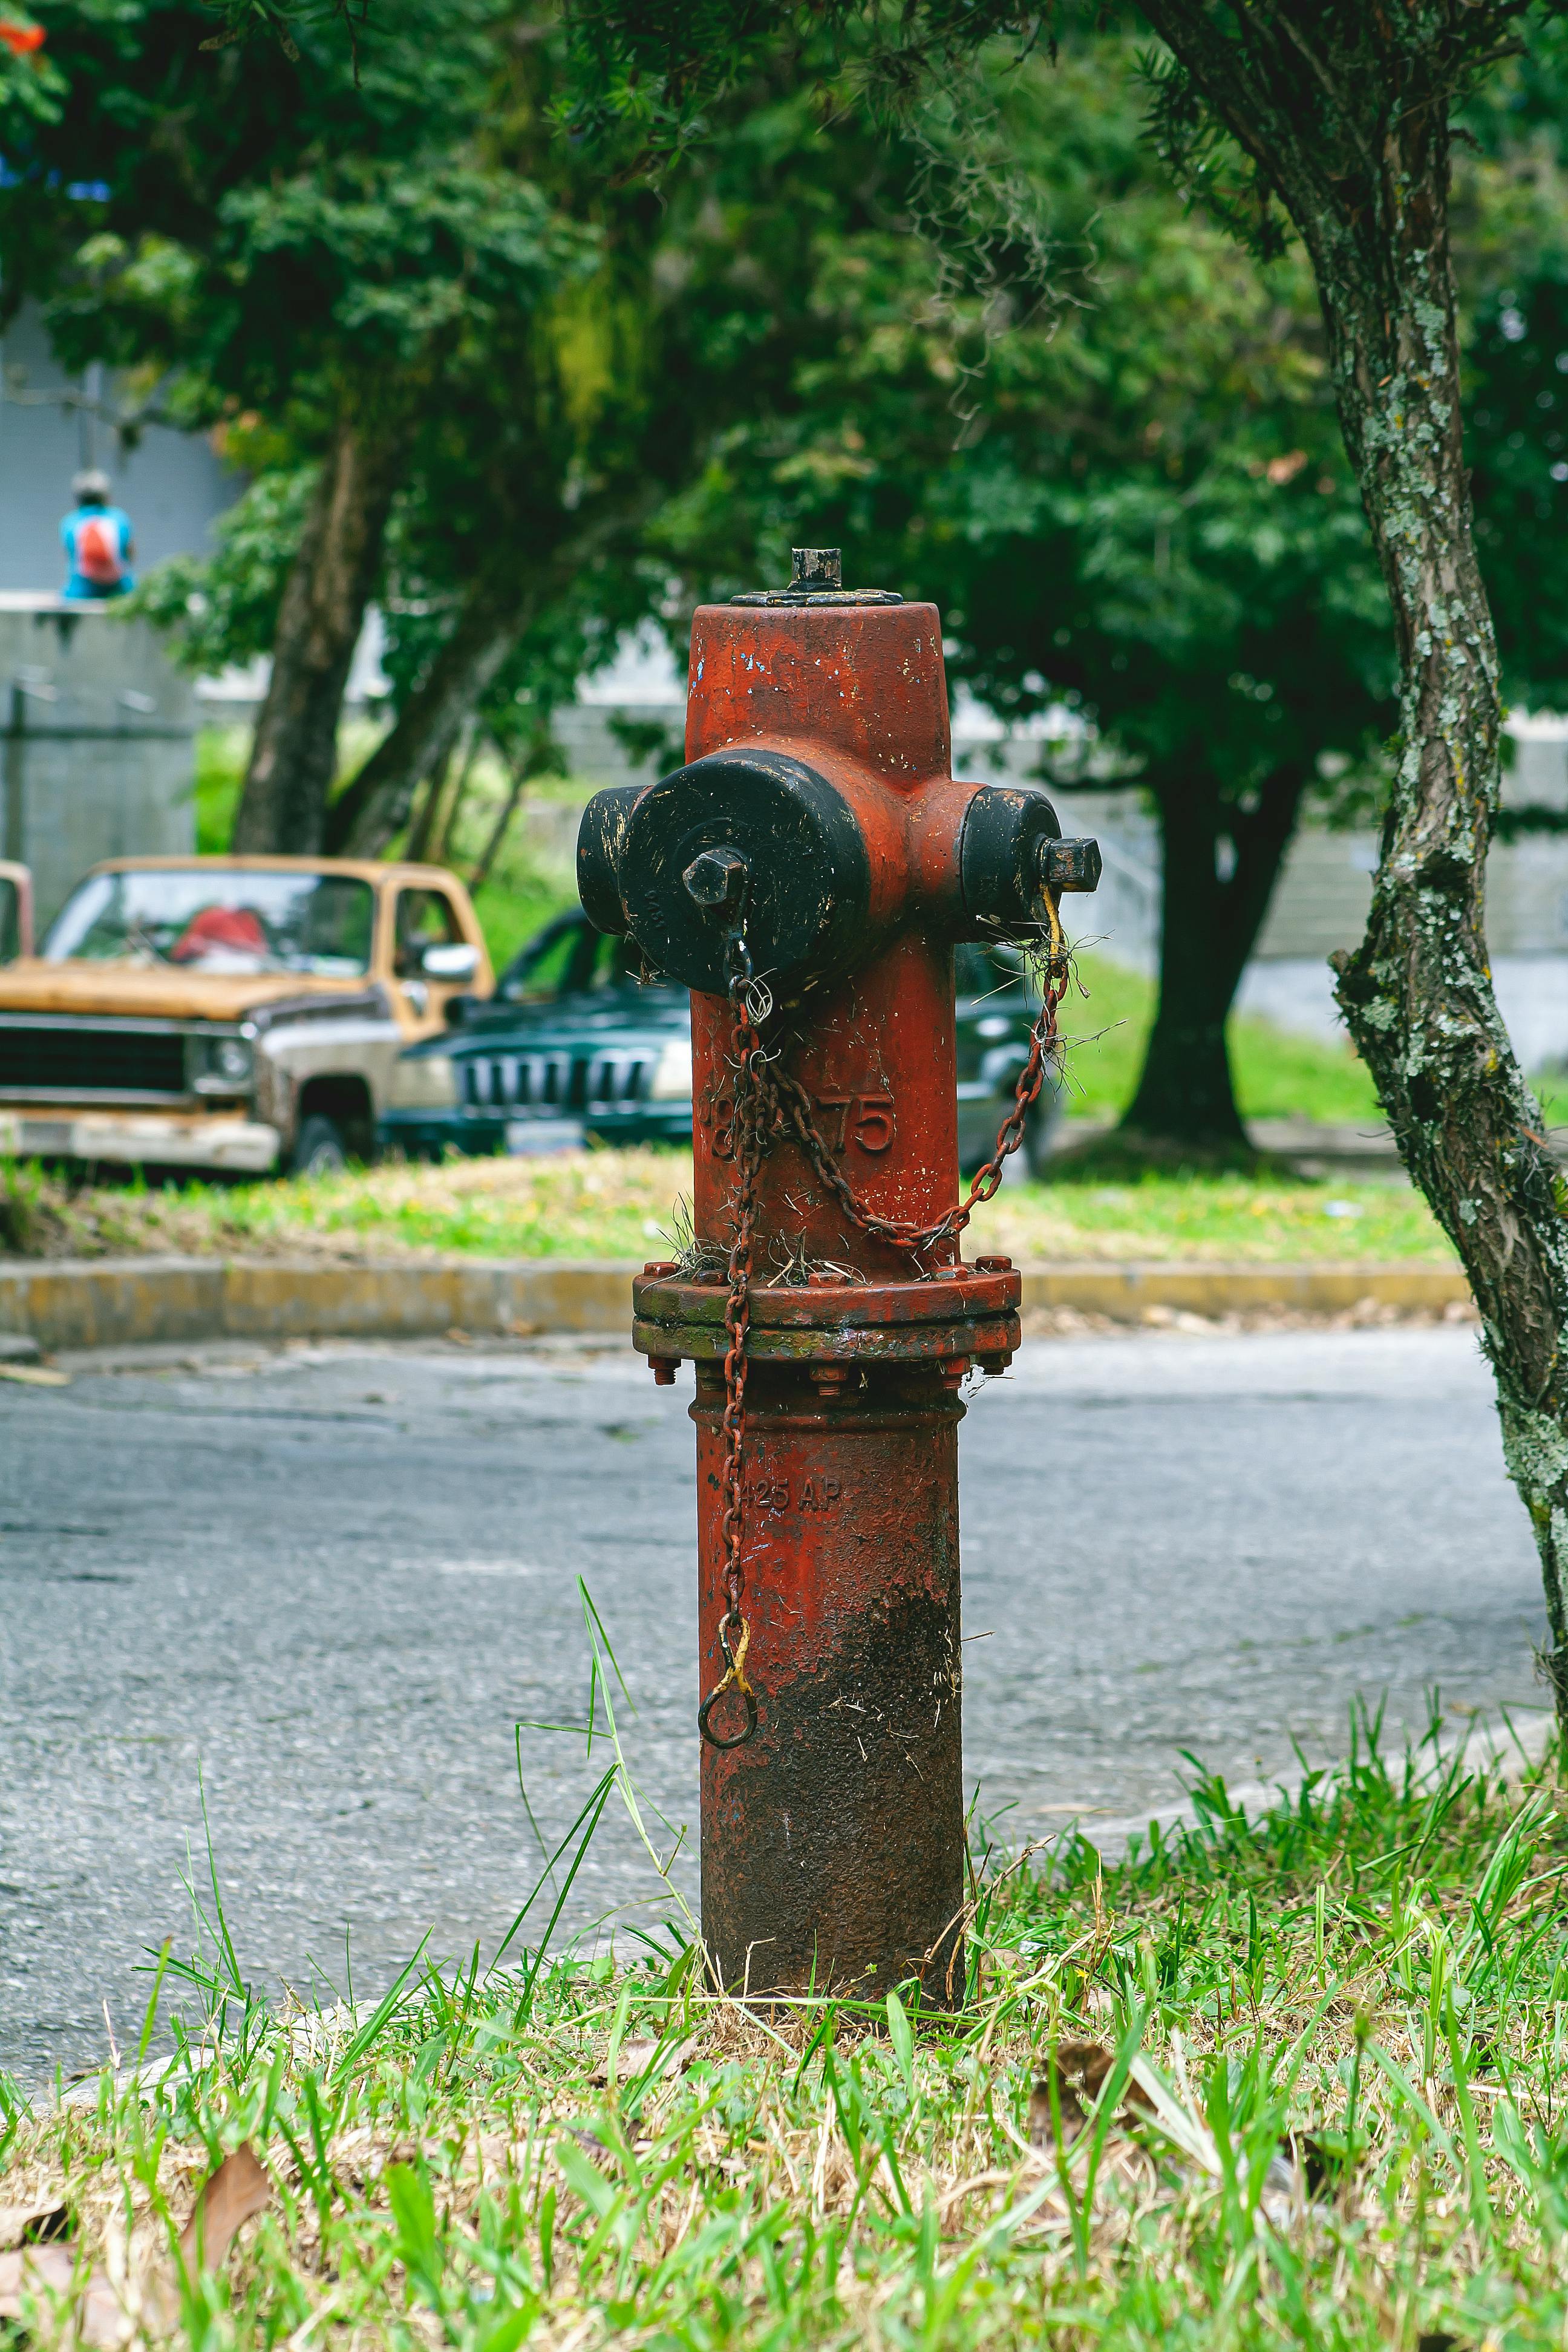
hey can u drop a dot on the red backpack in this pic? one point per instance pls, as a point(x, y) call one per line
point(98, 555)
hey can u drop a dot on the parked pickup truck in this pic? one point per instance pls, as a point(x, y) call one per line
point(236, 1014)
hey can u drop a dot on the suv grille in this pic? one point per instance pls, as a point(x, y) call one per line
point(550, 1083)
point(111, 1061)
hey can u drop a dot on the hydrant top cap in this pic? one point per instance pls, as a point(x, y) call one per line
point(817, 577)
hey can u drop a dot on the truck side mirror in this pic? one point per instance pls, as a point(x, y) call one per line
point(454, 960)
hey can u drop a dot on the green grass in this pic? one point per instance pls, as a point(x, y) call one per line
point(221, 755)
point(1198, 1214)
point(1277, 1075)
point(621, 1205)
point(1337, 2042)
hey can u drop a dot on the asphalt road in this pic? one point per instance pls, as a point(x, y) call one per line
point(324, 1587)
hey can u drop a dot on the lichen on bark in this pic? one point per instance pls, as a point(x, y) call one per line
point(1344, 109)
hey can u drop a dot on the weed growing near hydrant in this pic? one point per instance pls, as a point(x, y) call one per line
point(1308, 2086)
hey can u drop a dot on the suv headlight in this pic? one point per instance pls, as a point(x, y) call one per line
point(221, 1065)
point(672, 1072)
point(427, 1082)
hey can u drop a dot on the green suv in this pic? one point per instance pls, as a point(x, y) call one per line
point(573, 1047)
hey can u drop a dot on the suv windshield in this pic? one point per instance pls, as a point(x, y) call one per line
point(568, 958)
point(207, 920)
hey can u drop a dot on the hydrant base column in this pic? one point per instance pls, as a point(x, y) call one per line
point(833, 1842)
point(806, 874)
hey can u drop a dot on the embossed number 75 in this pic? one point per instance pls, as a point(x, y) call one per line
point(867, 1117)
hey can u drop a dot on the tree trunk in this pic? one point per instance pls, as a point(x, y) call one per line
point(422, 824)
point(517, 785)
point(1347, 115)
point(444, 847)
point(490, 622)
point(1208, 922)
point(375, 809)
point(293, 759)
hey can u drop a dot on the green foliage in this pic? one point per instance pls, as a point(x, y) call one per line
point(31, 85)
point(223, 608)
point(398, 245)
point(1125, 489)
point(1278, 1074)
point(404, 250)
point(1513, 252)
point(282, 20)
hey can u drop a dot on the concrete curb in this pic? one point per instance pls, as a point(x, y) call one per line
point(130, 1302)
point(1126, 1292)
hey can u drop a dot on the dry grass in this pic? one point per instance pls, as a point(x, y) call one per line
point(1336, 2039)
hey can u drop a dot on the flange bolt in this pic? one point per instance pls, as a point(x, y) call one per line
point(717, 880)
point(1071, 865)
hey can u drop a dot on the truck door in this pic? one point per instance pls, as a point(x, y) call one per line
point(429, 944)
point(15, 911)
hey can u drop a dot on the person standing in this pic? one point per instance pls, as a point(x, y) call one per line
point(98, 543)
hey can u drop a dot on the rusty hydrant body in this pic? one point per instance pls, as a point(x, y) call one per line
point(818, 768)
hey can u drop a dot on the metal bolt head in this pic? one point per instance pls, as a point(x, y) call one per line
point(717, 880)
point(814, 568)
point(1071, 865)
point(664, 1369)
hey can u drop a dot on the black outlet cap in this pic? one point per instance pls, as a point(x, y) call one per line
point(807, 876)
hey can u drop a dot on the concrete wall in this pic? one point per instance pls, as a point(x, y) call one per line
point(1321, 899)
point(97, 743)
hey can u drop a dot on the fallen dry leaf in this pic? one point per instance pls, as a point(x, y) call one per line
point(31, 2224)
point(50, 2270)
point(635, 2057)
point(1079, 2069)
point(104, 2318)
point(237, 2189)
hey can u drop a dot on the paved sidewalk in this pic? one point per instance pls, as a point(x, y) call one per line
point(326, 1585)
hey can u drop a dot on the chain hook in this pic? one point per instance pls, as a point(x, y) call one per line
point(733, 1678)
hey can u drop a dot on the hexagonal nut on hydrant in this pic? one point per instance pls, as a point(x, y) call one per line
point(1071, 865)
point(717, 880)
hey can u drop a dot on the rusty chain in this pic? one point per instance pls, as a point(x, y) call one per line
point(769, 1105)
point(748, 1011)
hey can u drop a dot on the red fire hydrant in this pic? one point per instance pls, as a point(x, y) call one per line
point(806, 875)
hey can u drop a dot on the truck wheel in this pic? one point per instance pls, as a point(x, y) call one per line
point(317, 1148)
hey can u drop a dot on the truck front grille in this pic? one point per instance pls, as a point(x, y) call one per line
point(549, 1084)
point(47, 1060)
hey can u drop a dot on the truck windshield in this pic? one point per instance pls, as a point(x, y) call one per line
point(207, 920)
